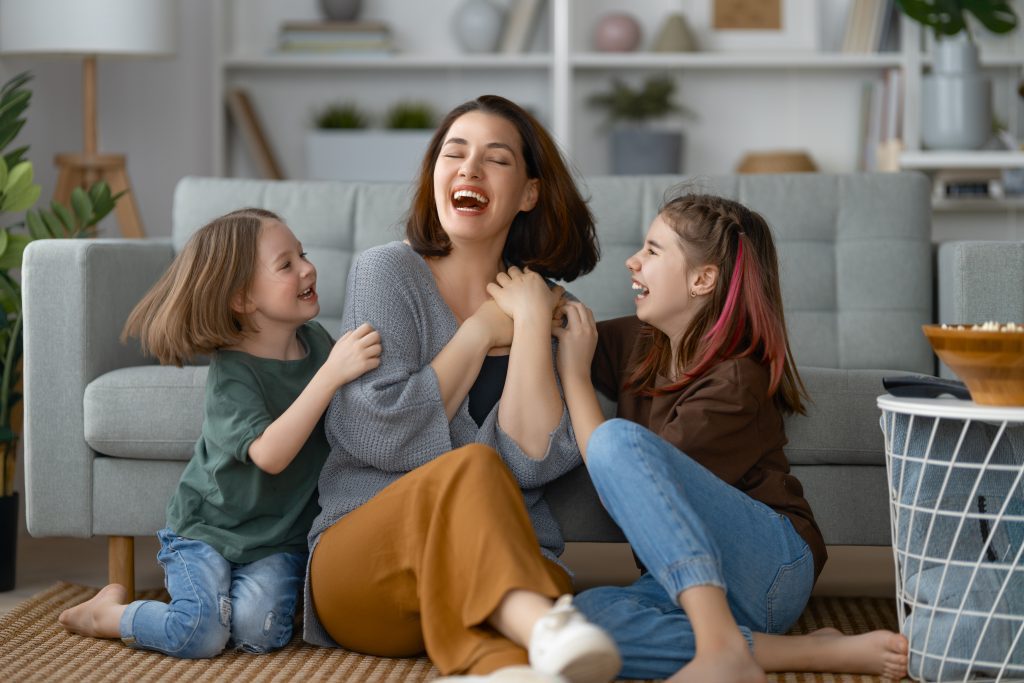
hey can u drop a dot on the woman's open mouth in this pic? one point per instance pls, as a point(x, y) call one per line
point(641, 291)
point(469, 202)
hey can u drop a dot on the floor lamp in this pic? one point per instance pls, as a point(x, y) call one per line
point(90, 29)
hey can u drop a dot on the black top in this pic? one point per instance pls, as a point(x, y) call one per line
point(487, 388)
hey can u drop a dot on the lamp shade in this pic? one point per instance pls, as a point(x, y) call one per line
point(88, 27)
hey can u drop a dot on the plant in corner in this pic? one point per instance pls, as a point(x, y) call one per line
point(409, 115)
point(19, 192)
point(956, 99)
point(637, 147)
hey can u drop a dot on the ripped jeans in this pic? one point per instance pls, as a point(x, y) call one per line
point(216, 604)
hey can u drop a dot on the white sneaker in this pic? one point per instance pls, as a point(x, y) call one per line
point(508, 674)
point(564, 643)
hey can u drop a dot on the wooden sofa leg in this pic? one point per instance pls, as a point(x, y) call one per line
point(121, 562)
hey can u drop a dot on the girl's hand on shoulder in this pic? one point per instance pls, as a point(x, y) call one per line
point(577, 341)
point(358, 351)
point(494, 323)
point(523, 294)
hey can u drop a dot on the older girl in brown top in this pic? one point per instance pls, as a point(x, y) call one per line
point(695, 475)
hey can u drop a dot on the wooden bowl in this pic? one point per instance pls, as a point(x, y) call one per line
point(777, 161)
point(990, 362)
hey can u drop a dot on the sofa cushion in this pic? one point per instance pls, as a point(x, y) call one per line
point(151, 412)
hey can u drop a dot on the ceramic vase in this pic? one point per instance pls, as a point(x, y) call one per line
point(638, 150)
point(477, 25)
point(956, 99)
point(340, 10)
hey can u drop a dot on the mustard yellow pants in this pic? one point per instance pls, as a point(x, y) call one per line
point(424, 563)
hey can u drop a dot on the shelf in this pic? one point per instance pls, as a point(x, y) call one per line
point(932, 161)
point(395, 61)
point(955, 205)
point(734, 60)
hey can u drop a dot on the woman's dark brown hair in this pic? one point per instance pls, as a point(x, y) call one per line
point(188, 312)
point(743, 316)
point(556, 238)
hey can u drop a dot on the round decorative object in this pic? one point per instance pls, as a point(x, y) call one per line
point(617, 32)
point(477, 25)
point(340, 10)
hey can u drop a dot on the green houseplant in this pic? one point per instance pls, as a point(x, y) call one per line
point(343, 146)
point(636, 146)
point(956, 98)
point(19, 192)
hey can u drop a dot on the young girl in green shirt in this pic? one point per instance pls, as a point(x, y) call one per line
point(234, 550)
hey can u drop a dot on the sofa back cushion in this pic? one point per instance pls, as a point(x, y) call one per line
point(854, 250)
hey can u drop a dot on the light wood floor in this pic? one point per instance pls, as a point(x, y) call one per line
point(43, 561)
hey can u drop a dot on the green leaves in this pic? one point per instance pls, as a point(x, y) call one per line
point(653, 100)
point(18, 192)
point(89, 209)
point(948, 18)
point(14, 99)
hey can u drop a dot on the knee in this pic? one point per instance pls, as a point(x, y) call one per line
point(198, 636)
point(258, 630)
point(608, 443)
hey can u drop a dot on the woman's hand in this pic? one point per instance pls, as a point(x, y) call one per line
point(577, 341)
point(524, 295)
point(493, 323)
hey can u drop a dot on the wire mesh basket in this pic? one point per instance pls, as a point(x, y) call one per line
point(957, 515)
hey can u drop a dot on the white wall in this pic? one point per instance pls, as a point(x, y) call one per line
point(156, 111)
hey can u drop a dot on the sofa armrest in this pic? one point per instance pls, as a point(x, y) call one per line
point(980, 281)
point(77, 295)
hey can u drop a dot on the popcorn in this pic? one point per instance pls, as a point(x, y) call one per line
point(988, 326)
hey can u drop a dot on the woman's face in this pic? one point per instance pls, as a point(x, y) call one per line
point(663, 278)
point(480, 181)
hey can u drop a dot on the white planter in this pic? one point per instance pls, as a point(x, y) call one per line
point(365, 155)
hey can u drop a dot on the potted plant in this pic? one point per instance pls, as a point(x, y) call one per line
point(343, 147)
point(636, 146)
point(19, 192)
point(956, 99)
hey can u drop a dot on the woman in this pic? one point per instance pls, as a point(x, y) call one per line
point(419, 546)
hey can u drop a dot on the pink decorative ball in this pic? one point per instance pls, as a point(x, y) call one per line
point(617, 32)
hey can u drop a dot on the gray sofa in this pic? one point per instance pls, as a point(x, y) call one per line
point(107, 432)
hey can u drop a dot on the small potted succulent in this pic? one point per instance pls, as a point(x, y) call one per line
point(637, 146)
point(343, 146)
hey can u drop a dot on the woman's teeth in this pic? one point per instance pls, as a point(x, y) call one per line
point(468, 199)
point(640, 290)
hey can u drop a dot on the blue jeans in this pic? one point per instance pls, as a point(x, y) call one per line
point(689, 528)
point(216, 603)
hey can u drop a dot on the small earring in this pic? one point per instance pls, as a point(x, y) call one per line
point(693, 293)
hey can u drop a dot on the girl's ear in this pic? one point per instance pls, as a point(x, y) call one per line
point(706, 279)
point(240, 303)
point(530, 195)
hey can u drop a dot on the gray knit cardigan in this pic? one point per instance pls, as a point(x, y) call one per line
point(391, 420)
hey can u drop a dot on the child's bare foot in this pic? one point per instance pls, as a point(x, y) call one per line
point(728, 665)
point(100, 615)
point(882, 653)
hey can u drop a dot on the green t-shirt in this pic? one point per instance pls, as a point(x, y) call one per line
point(223, 498)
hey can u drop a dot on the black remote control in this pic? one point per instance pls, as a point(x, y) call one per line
point(925, 386)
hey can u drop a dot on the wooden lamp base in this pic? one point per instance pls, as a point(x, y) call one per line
point(82, 170)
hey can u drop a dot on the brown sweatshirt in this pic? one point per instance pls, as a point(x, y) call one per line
point(724, 420)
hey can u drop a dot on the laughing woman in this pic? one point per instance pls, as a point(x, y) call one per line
point(424, 542)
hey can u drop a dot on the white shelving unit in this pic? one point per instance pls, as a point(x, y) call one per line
point(744, 100)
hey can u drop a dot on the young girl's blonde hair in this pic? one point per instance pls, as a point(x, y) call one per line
point(189, 312)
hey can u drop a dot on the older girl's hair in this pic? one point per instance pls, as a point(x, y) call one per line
point(556, 238)
point(743, 316)
point(188, 312)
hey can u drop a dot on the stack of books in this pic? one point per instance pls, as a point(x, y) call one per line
point(870, 26)
point(520, 24)
point(336, 37)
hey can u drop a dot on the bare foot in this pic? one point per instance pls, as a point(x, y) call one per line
point(727, 665)
point(100, 615)
point(882, 653)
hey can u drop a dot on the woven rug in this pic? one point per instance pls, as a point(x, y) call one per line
point(33, 647)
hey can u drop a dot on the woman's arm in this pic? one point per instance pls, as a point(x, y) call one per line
point(531, 406)
point(576, 344)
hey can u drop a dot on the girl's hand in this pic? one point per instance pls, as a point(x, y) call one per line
point(523, 294)
point(493, 324)
point(357, 351)
point(577, 341)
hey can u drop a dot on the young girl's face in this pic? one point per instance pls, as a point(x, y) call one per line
point(480, 181)
point(283, 289)
point(663, 279)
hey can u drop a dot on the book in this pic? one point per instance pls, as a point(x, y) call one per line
point(519, 25)
point(243, 113)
